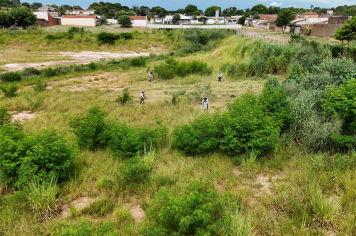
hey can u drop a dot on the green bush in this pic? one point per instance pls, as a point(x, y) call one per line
point(199, 211)
point(44, 156)
point(28, 71)
point(75, 30)
point(92, 66)
point(124, 98)
point(136, 169)
point(109, 38)
point(343, 141)
point(173, 68)
point(11, 77)
point(138, 62)
point(5, 116)
point(247, 128)
point(39, 86)
point(9, 90)
point(201, 136)
point(128, 141)
point(90, 128)
point(342, 102)
point(49, 72)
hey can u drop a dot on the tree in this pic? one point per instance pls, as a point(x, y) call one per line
point(311, 7)
point(120, 13)
point(190, 9)
point(161, 12)
point(196, 13)
point(242, 20)
point(347, 31)
point(176, 17)
point(6, 19)
point(76, 7)
point(54, 6)
point(124, 21)
point(105, 11)
point(92, 6)
point(62, 10)
point(37, 5)
point(259, 9)
point(26, 4)
point(131, 13)
point(284, 18)
point(117, 6)
point(202, 19)
point(210, 11)
point(23, 17)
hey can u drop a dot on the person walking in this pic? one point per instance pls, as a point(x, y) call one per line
point(205, 103)
point(220, 76)
point(142, 97)
point(150, 76)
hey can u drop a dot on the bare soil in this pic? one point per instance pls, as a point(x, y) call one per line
point(79, 204)
point(22, 116)
point(84, 57)
point(137, 213)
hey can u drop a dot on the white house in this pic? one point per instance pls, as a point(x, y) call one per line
point(211, 20)
point(80, 20)
point(82, 12)
point(139, 21)
point(183, 19)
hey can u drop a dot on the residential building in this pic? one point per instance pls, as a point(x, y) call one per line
point(47, 9)
point(183, 19)
point(139, 21)
point(82, 12)
point(270, 17)
point(44, 19)
point(309, 15)
point(81, 20)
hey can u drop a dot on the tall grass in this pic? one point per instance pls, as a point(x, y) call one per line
point(42, 198)
point(238, 224)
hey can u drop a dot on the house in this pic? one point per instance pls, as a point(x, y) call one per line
point(139, 21)
point(44, 19)
point(183, 19)
point(328, 29)
point(233, 19)
point(81, 20)
point(82, 12)
point(47, 9)
point(112, 21)
point(212, 20)
point(309, 15)
point(270, 17)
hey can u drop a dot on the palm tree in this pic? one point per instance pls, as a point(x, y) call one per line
point(62, 10)
point(311, 7)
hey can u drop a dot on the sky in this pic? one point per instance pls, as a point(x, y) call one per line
point(203, 4)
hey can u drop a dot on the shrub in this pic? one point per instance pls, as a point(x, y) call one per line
point(123, 215)
point(136, 170)
point(125, 97)
point(201, 136)
point(138, 62)
point(44, 156)
point(75, 30)
point(42, 197)
point(199, 211)
point(343, 141)
point(5, 116)
point(49, 72)
point(92, 66)
point(173, 68)
point(245, 127)
point(128, 141)
point(342, 102)
point(40, 86)
point(104, 37)
point(124, 21)
point(89, 128)
point(11, 77)
point(28, 71)
point(9, 90)
point(100, 208)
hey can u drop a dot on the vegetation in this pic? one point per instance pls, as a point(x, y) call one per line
point(284, 18)
point(347, 31)
point(272, 155)
point(124, 21)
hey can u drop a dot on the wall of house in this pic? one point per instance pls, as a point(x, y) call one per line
point(79, 21)
point(139, 23)
point(319, 30)
point(334, 23)
point(46, 23)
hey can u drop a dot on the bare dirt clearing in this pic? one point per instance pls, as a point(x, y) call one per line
point(84, 57)
point(79, 205)
point(22, 116)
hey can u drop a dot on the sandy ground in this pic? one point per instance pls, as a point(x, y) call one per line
point(22, 116)
point(79, 204)
point(84, 57)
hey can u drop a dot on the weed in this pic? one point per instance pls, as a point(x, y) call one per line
point(124, 98)
point(5, 116)
point(11, 77)
point(123, 215)
point(42, 197)
point(40, 86)
point(9, 90)
point(100, 208)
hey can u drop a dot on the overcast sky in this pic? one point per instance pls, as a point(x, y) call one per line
point(202, 5)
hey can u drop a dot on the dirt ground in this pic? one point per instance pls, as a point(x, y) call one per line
point(84, 57)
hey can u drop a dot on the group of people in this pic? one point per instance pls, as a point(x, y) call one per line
point(204, 103)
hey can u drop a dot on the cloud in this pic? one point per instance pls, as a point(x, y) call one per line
point(292, 6)
point(275, 4)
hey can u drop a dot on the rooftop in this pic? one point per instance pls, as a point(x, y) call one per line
point(77, 16)
point(138, 17)
point(82, 10)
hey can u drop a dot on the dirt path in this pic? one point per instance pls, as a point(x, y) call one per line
point(84, 57)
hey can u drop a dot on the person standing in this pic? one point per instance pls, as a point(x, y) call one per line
point(150, 76)
point(142, 97)
point(205, 103)
point(220, 76)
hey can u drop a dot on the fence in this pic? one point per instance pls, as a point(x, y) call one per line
point(269, 38)
point(92, 29)
point(167, 26)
